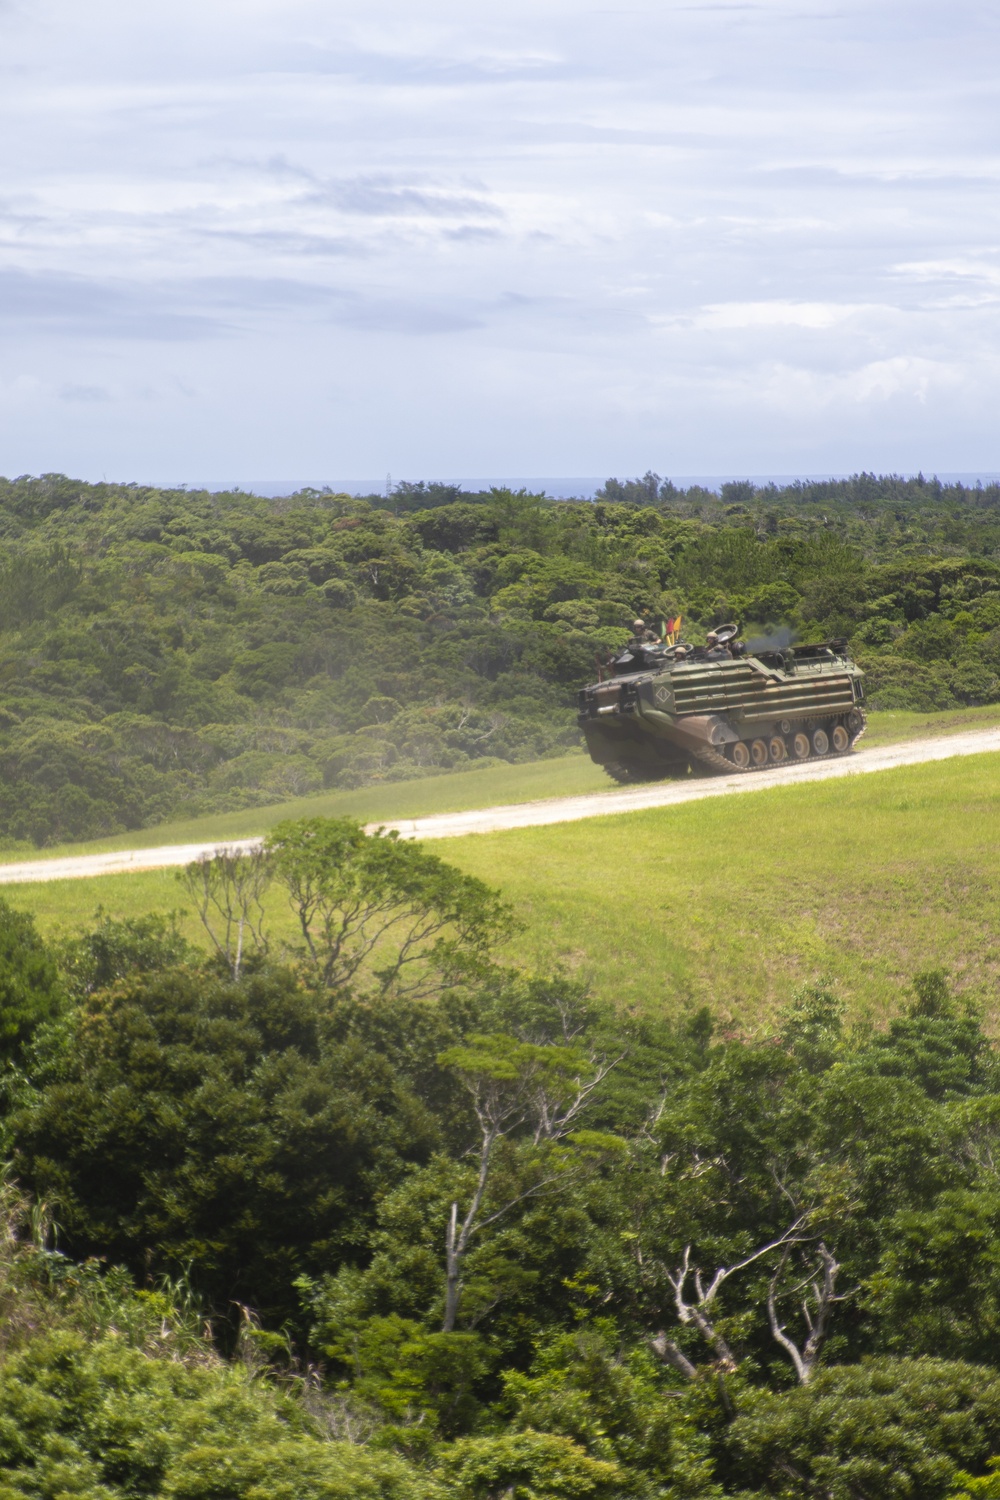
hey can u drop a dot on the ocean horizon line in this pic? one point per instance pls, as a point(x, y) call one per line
point(582, 487)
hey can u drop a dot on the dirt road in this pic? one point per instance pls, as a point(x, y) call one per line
point(553, 810)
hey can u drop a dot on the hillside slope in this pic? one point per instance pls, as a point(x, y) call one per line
point(170, 654)
point(732, 902)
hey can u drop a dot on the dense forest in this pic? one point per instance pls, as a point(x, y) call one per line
point(167, 653)
point(381, 1218)
point(373, 1214)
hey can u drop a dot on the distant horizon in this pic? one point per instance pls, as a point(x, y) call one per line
point(582, 487)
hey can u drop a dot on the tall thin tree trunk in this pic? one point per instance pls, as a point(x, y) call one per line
point(457, 1239)
point(453, 1286)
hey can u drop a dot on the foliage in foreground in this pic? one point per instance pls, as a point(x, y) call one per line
point(489, 1238)
point(100, 1419)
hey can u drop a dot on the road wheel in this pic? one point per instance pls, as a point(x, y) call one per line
point(628, 773)
point(840, 739)
point(777, 748)
point(740, 755)
point(801, 746)
point(821, 741)
point(758, 752)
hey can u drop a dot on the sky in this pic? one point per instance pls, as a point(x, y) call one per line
point(243, 239)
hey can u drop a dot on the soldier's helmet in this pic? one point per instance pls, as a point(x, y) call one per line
point(638, 626)
point(711, 638)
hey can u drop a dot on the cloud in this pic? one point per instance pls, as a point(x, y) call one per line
point(383, 198)
point(777, 314)
point(524, 237)
point(80, 307)
point(407, 318)
point(86, 393)
point(950, 270)
point(376, 194)
point(288, 242)
point(215, 306)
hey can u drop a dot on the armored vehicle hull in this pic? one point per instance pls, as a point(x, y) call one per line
point(659, 715)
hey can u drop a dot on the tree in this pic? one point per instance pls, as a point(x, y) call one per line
point(514, 1085)
point(228, 889)
point(99, 1418)
point(116, 947)
point(818, 1292)
point(30, 992)
point(611, 1399)
point(199, 1121)
point(937, 1287)
point(886, 1428)
point(381, 908)
point(528, 1464)
point(700, 1312)
point(986, 1487)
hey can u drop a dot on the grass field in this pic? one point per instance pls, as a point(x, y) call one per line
point(731, 901)
point(491, 786)
point(459, 791)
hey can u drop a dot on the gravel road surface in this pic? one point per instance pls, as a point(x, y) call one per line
point(535, 814)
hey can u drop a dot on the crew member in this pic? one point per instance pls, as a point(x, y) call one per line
point(642, 635)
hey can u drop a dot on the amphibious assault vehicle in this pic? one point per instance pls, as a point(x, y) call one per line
point(664, 709)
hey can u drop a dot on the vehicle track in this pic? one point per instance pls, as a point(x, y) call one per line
point(537, 814)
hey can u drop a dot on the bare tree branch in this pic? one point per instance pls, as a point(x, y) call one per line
point(697, 1313)
point(555, 1115)
point(822, 1283)
point(670, 1354)
point(228, 889)
point(512, 1084)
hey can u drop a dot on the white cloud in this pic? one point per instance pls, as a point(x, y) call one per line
point(529, 237)
point(950, 270)
point(778, 314)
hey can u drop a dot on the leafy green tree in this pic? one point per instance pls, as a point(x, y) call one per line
point(614, 1402)
point(937, 1288)
point(100, 1420)
point(986, 1487)
point(204, 1123)
point(30, 990)
point(518, 1085)
point(382, 906)
point(422, 1382)
point(886, 1427)
point(527, 1466)
point(118, 947)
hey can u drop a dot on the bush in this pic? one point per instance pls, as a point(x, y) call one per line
point(29, 983)
point(891, 1428)
point(199, 1120)
point(527, 1466)
point(101, 1420)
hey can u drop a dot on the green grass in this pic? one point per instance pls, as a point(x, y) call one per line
point(492, 786)
point(458, 791)
point(902, 724)
point(737, 901)
point(732, 901)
